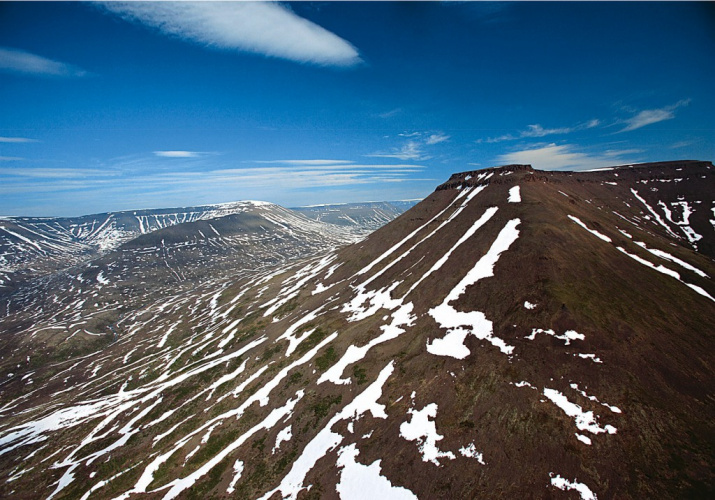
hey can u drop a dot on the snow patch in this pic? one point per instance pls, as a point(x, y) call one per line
point(592, 231)
point(423, 430)
point(460, 324)
point(585, 420)
point(284, 435)
point(470, 451)
point(564, 484)
point(358, 481)
point(567, 337)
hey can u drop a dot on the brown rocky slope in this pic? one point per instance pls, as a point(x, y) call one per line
point(517, 334)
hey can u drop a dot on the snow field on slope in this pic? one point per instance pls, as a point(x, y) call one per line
point(460, 324)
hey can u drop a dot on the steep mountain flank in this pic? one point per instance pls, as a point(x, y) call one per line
point(517, 334)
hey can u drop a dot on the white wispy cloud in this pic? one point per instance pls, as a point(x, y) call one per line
point(305, 162)
point(17, 139)
point(10, 158)
point(391, 113)
point(411, 150)
point(537, 130)
point(177, 154)
point(564, 157)
point(414, 148)
point(55, 173)
point(265, 28)
point(682, 144)
point(436, 138)
point(24, 63)
point(650, 116)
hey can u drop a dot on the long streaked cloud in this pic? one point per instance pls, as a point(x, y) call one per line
point(288, 176)
point(17, 139)
point(177, 154)
point(25, 63)
point(537, 130)
point(55, 173)
point(304, 162)
point(651, 116)
point(265, 28)
point(565, 157)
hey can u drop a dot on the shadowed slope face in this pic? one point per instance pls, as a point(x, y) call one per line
point(518, 333)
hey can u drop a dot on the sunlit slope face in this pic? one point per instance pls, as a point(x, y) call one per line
point(518, 333)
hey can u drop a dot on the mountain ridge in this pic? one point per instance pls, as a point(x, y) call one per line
point(518, 333)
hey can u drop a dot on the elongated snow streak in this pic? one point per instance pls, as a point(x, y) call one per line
point(261, 396)
point(514, 195)
point(614, 409)
point(358, 481)
point(402, 317)
point(488, 214)
point(326, 439)
point(584, 420)
point(166, 335)
point(422, 428)
point(103, 483)
point(667, 272)
point(564, 484)
point(655, 214)
point(567, 337)
point(308, 273)
point(294, 341)
point(460, 324)
point(237, 471)
point(592, 231)
point(409, 236)
point(108, 407)
point(671, 258)
point(449, 219)
point(182, 484)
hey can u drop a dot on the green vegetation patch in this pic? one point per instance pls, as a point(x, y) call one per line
point(321, 407)
point(313, 339)
point(360, 374)
point(326, 360)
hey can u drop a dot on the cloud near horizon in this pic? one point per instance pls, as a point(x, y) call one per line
point(564, 157)
point(264, 28)
point(24, 63)
point(304, 162)
point(651, 116)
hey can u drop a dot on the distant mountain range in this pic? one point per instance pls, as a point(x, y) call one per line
point(34, 246)
point(519, 333)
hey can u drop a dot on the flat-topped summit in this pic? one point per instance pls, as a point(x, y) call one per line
point(635, 171)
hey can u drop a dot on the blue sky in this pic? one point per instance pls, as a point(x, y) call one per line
point(118, 106)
